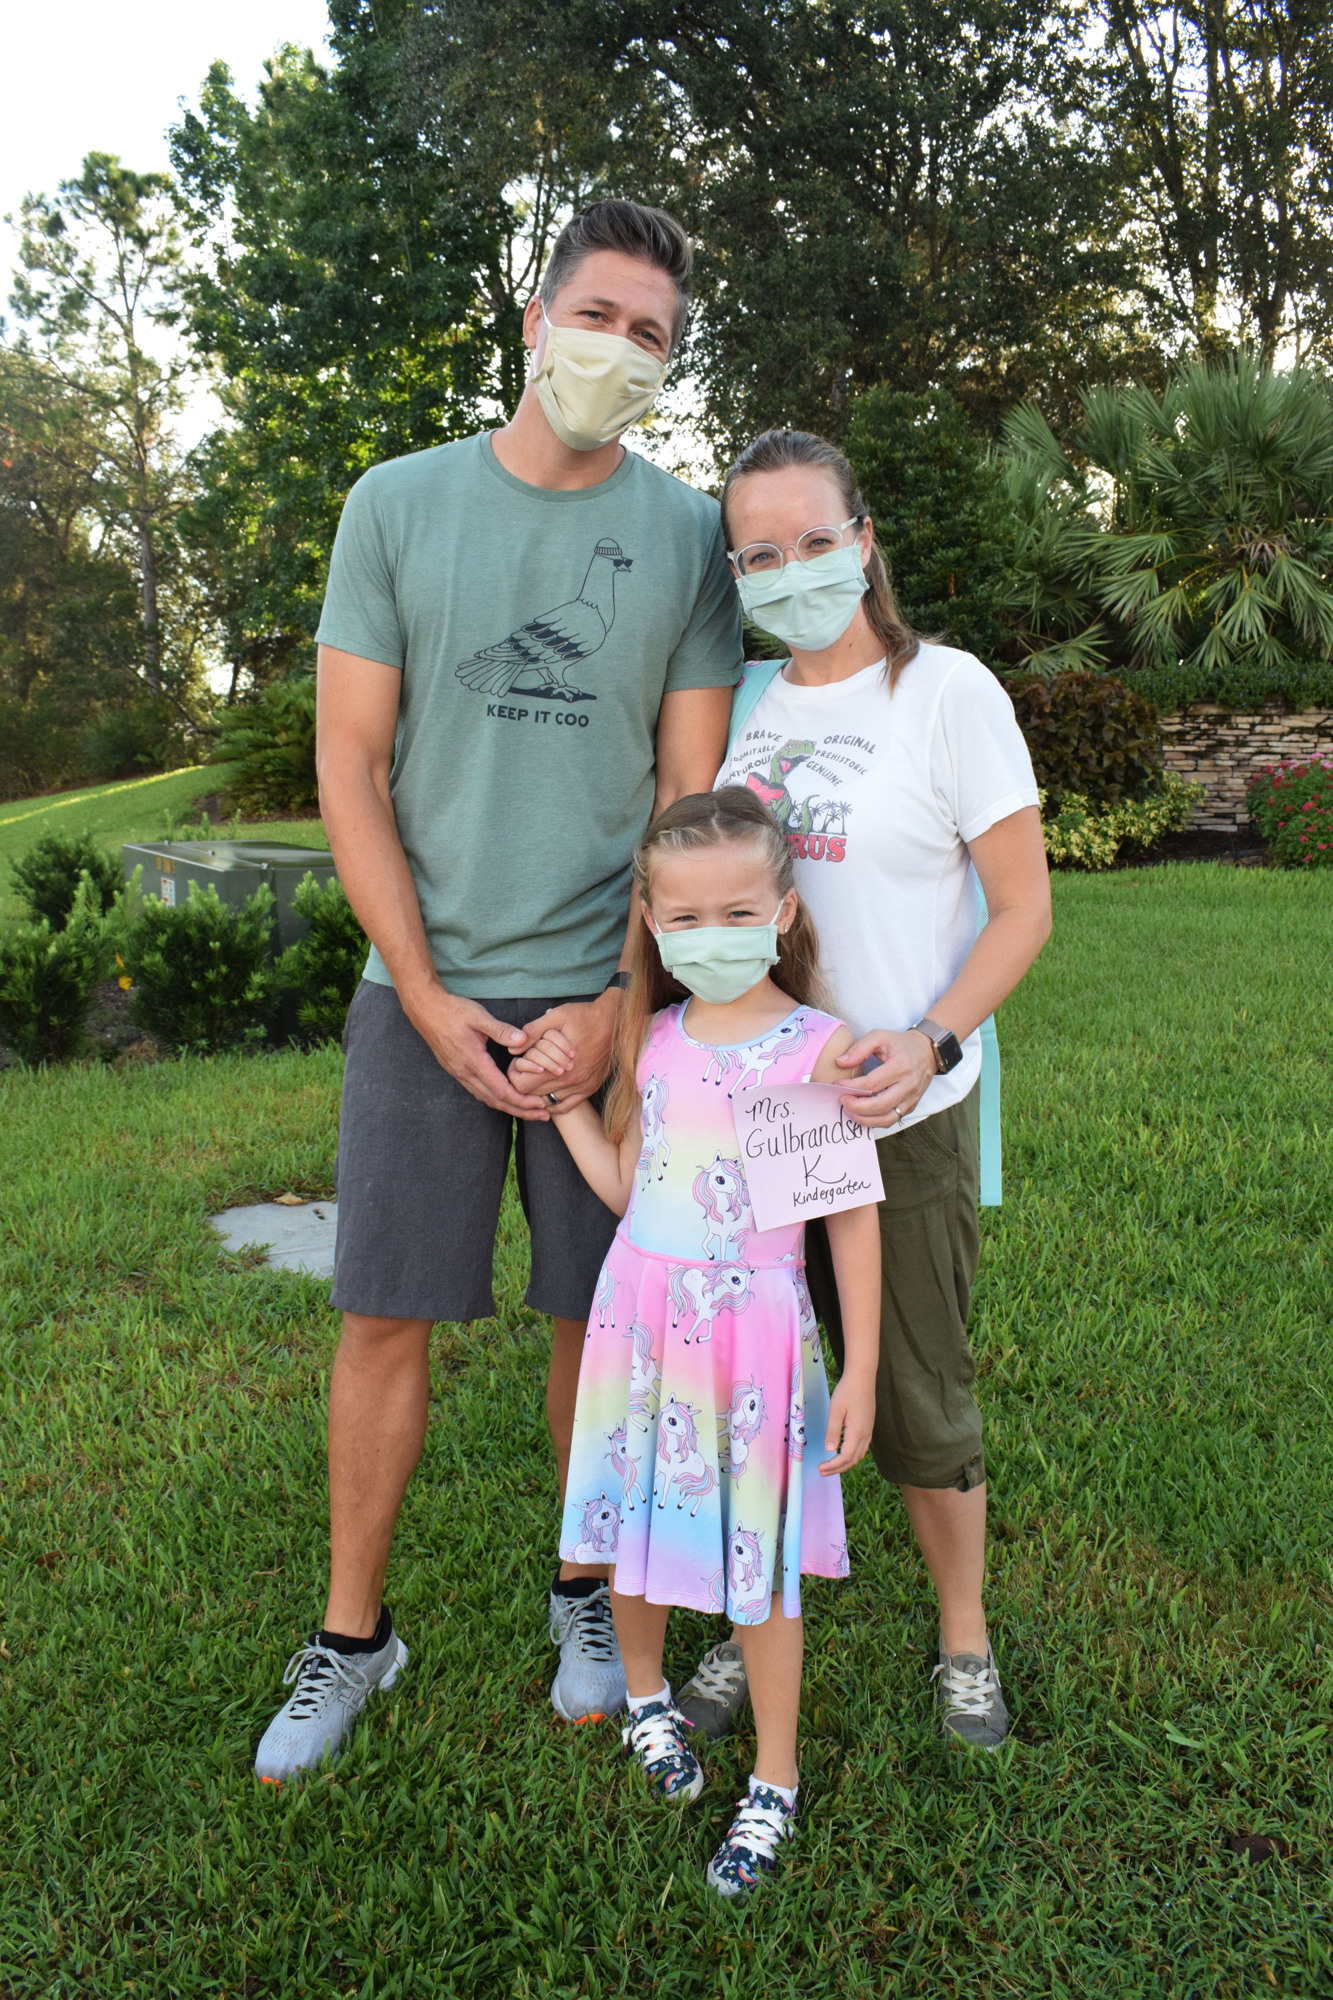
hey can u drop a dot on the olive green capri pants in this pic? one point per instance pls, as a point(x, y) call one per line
point(927, 1425)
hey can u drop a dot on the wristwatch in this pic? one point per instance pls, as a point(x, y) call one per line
point(617, 983)
point(948, 1049)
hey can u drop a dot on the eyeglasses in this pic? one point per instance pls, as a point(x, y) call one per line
point(756, 558)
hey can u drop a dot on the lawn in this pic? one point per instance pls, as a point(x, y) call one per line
point(131, 809)
point(1153, 1324)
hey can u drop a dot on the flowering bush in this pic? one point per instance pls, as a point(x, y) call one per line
point(1292, 805)
point(1089, 836)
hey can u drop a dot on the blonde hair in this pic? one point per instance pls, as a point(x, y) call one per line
point(704, 820)
point(775, 451)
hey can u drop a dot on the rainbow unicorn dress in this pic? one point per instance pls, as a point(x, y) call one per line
point(702, 1401)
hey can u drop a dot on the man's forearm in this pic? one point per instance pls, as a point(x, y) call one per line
point(373, 870)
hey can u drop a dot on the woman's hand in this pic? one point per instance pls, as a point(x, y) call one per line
point(851, 1419)
point(888, 1093)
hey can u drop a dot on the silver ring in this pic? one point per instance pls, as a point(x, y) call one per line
point(897, 1113)
point(551, 1097)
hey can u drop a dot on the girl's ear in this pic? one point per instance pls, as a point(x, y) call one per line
point(648, 918)
point(787, 911)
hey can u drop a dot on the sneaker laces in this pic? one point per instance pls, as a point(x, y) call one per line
point(589, 1624)
point(968, 1693)
point(654, 1735)
point(759, 1827)
point(319, 1672)
point(717, 1679)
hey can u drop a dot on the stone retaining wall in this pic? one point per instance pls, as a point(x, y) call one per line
point(1225, 750)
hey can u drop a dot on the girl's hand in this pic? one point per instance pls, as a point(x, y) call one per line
point(554, 1054)
point(851, 1419)
point(888, 1093)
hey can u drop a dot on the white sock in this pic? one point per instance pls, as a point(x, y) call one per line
point(783, 1791)
point(638, 1701)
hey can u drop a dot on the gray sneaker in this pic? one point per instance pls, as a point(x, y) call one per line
point(718, 1692)
point(590, 1682)
point(971, 1706)
point(331, 1691)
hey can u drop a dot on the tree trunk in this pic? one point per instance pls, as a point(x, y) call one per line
point(148, 602)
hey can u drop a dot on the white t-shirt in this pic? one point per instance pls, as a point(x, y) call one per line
point(878, 795)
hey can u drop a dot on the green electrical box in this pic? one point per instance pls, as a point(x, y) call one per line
point(235, 868)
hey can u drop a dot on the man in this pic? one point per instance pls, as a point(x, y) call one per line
point(527, 649)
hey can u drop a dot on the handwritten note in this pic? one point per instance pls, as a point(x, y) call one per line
point(802, 1155)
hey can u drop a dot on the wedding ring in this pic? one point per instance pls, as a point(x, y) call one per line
point(551, 1097)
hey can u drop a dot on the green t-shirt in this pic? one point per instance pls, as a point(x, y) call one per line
point(536, 633)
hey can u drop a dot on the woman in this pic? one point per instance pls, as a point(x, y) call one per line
point(895, 767)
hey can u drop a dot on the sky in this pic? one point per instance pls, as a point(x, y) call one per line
point(85, 76)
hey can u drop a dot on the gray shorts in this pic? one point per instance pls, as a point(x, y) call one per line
point(421, 1174)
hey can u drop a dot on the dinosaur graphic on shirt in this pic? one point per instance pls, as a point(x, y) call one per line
point(537, 658)
point(789, 816)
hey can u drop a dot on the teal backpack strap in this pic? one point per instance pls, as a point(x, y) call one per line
point(756, 677)
point(992, 1178)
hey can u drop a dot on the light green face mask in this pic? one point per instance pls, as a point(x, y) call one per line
point(719, 962)
point(806, 604)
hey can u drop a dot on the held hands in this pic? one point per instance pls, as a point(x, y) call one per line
point(888, 1093)
point(851, 1419)
point(456, 1031)
point(567, 1050)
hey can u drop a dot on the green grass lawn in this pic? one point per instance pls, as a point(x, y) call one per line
point(131, 809)
point(1153, 1324)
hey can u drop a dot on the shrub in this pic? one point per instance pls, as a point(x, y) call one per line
point(47, 877)
point(1292, 805)
point(48, 978)
point(324, 967)
point(1085, 836)
point(1246, 687)
point(938, 507)
point(200, 971)
point(126, 742)
point(1088, 736)
point(1192, 530)
point(270, 742)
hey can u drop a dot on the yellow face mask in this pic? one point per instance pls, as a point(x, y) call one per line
point(593, 386)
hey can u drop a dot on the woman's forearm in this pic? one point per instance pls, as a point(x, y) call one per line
point(1005, 949)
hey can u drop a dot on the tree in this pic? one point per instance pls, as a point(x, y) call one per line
point(897, 191)
point(98, 298)
point(338, 298)
point(1224, 110)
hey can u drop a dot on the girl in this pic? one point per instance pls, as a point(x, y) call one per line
point(702, 1396)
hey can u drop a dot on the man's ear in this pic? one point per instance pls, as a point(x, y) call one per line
point(532, 320)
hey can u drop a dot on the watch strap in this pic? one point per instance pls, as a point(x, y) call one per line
point(617, 983)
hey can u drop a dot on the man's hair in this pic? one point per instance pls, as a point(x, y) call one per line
point(627, 226)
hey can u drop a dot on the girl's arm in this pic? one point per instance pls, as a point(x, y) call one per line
point(853, 1237)
point(608, 1168)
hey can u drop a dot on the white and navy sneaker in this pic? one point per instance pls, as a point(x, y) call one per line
point(971, 1705)
point(655, 1740)
point(764, 1822)
point(331, 1691)
point(590, 1683)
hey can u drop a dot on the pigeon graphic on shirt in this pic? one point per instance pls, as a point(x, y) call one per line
point(539, 657)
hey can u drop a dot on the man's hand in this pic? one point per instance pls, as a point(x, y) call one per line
point(456, 1031)
point(906, 1065)
point(580, 1034)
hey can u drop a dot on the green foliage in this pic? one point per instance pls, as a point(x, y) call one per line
point(324, 967)
point(1245, 686)
point(1088, 734)
point(48, 876)
point(269, 743)
point(200, 969)
point(1292, 805)
point(1151, 1324)
point(48, 977)
point(1083, 835)
point(1194, 528)
point(936, 501)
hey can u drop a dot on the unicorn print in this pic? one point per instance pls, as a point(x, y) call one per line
point(704, 1294)
point(809, 1324)
point(796, 1417)
point(717, 1591)
point(604, 1298)
point(723, 1061)
point(599, 1533)
point(786, 1039)
point(720, 1191)
point(843, 1563)
point(625, 1468)
point(745, 1574)
point(656, 1153)
point(744, 1422)
point(645, 1380)
point(679, 1459)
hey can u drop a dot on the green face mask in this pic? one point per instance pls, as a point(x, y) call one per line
point(806, 604)
point(719, 962)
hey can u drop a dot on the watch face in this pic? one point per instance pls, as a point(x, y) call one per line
point(949, 1051)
